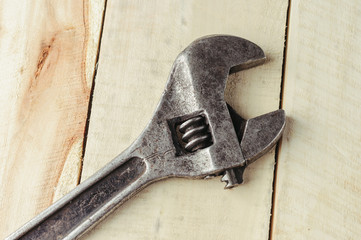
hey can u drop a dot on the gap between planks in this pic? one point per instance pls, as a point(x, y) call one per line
point(279, 144)
point(85, 139)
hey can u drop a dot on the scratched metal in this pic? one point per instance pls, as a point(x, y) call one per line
point(191, 134)
point(66, 218)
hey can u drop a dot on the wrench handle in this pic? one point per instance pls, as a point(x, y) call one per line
point(88, 203)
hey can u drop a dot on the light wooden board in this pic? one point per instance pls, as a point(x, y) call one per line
point(318, 190)
point(47, 58)
point(139, 43)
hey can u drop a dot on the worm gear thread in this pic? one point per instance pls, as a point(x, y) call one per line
point(195, 134)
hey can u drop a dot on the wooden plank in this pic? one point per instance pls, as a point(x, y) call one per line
point(48, 51)
point(140, 42)
point(318, 193)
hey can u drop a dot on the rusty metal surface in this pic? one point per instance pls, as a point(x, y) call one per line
point(193, 134)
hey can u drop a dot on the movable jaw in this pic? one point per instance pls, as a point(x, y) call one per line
point(256, 136)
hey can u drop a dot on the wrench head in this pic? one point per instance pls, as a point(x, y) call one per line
point(192, 130)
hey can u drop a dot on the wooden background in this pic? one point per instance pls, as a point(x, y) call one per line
point(81, 79)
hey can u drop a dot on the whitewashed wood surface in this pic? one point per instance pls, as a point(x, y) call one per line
point(318, 188)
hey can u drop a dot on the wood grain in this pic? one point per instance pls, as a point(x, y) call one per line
point(318, 193)
point(48, 51)
point(140, 42)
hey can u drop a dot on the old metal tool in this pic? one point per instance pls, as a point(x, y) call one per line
point(192, 134)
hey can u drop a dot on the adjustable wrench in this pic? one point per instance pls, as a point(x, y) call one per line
point(192, 134)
